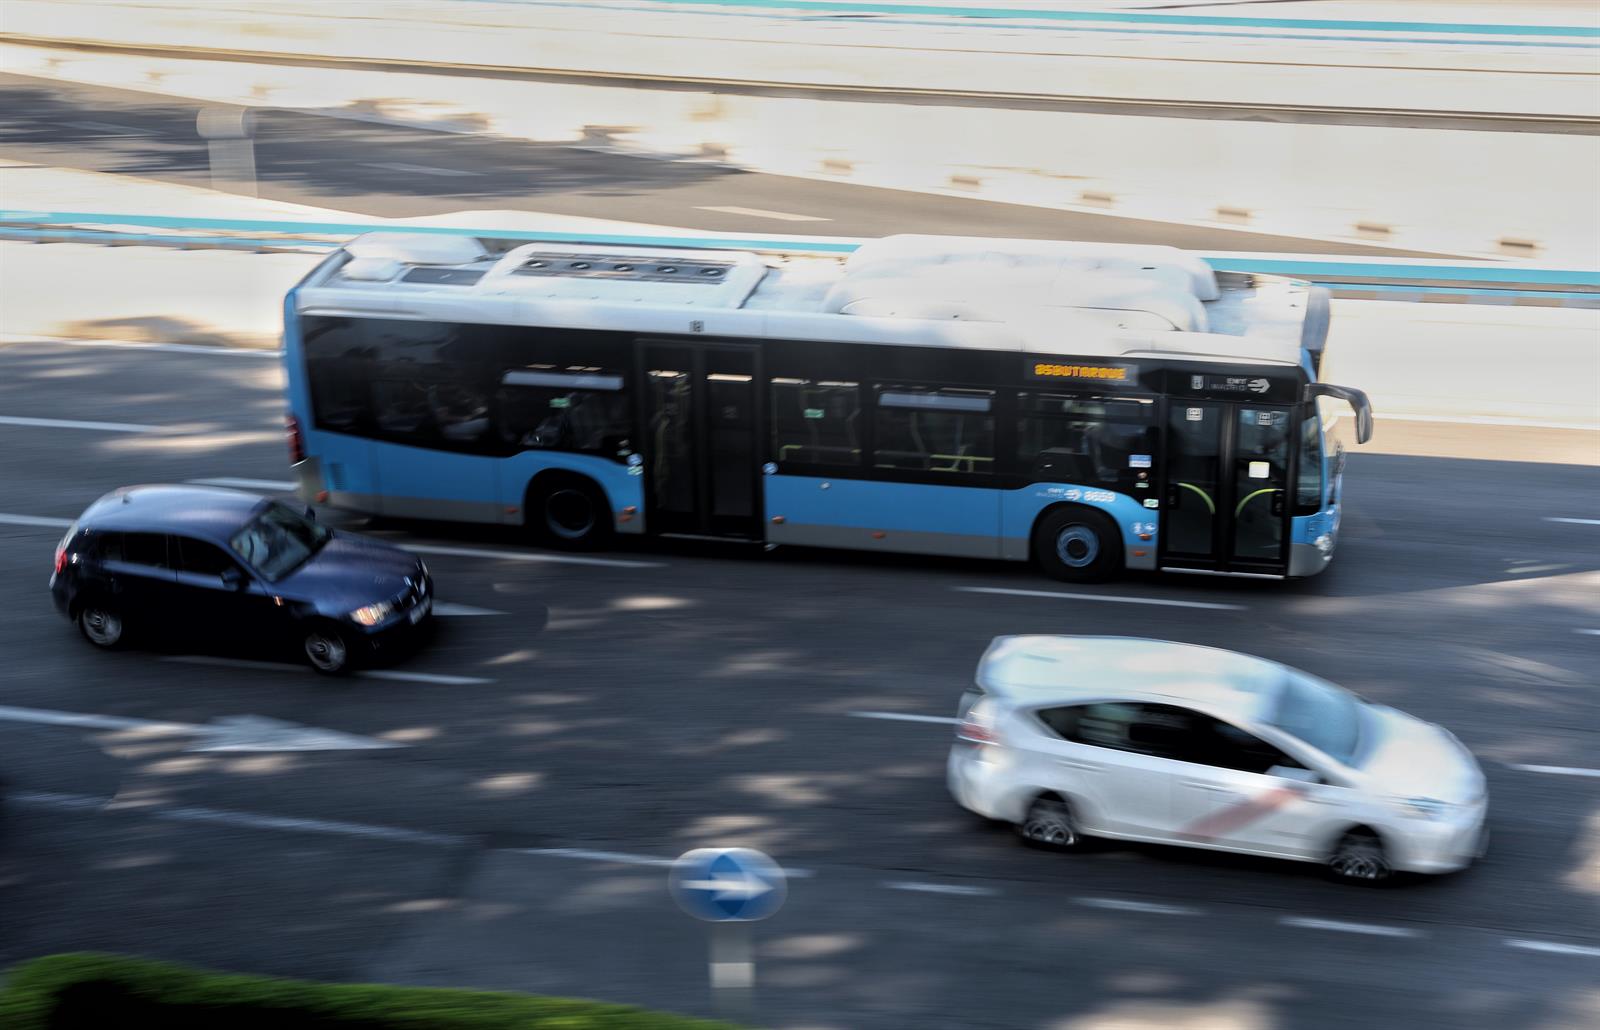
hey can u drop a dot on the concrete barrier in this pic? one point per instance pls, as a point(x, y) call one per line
point(1422, 189)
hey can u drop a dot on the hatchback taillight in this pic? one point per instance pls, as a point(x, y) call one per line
point(297, 443)
point(61, 557)
point(977, 731)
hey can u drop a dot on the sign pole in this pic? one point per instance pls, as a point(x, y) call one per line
point(733, 972)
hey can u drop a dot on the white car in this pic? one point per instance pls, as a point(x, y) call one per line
point(1179, 744)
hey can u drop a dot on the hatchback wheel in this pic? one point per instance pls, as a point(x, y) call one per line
point(1049, 824)
point(1359, 858)
point(327, 651)
point(100, 625)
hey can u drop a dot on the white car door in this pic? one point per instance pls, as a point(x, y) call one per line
point(1231, 794)
point(1091, 752)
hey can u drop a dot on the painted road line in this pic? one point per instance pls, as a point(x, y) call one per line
point(225, 733)
point(1554, 947)
point(1064, 596)
point(399, 166)
point(175, 348)
point(756, 212)
point(1574, 522)
point(1148, 907)
point(1555, 770)
point(449, 610)
point(1588, 632)
point(422, 677)
point(557, 559)
point(34, 520)
point(940, 888)
point(904, 717)
point(1370, 929)
point(371, 674)
point(67, 423)
point(280, 485)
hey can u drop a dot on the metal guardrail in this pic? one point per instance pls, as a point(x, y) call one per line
point(1395, 279)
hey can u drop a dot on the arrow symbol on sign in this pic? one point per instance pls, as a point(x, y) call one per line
point(228, 733)
point(730, 886)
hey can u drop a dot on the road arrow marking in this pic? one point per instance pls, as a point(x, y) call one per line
point(228, 733)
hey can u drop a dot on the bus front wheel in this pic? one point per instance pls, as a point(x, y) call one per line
point(568, 512)
point(1078, 545)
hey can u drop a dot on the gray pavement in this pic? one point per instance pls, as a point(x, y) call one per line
point(705, 698)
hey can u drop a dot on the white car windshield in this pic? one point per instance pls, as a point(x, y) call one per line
point(278, 541)
point(1321, 714)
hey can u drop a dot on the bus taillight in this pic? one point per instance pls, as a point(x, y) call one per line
point(297, 443)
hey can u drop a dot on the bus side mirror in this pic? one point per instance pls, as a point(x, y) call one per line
point(1350, 395)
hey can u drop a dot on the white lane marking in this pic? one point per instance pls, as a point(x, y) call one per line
point(1370, 929)
point(174, 348)
point(1062, 595)
point(253, 820)
point(371, 674)
point(1575, 522)
point(940, 888)
point(904, 717)
point(400, 166)
point(559, 559)
point(1556, 770)
point(421, 677)
point(46, 717)
point(34, 520)
point(447, 609)
point(225, 733)
point(245, 484)
point(1553, 947)
point(624, 858)
point(1150, 907)
point(1590, 632)
point(757, 212)
point(1490, 420)
point(67, 423)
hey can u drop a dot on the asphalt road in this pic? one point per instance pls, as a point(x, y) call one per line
point(684, 696)
point(391, 171)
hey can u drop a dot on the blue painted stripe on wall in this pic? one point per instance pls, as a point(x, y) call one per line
point(1142, 18)
point(1315, 269)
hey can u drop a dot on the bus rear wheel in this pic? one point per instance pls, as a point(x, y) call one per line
point(1077, 545)
point(568, 512)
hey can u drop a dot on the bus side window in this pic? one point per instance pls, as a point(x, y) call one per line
point(1308, 488)
point(934, 429)
point(1091, 441)
point(816, 423)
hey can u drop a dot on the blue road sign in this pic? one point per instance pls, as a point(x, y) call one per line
point(727, 885)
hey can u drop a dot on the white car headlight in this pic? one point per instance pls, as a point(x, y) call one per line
point(1424, 808)
point(372, 614)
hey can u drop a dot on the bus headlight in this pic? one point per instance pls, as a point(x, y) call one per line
point(372, 614)
point(1325, 545)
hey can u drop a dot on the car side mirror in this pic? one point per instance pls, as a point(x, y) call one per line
point(233, 579)
point(1284, 772)
point(311, 515)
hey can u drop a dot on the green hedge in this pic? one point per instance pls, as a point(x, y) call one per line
point(93, 990)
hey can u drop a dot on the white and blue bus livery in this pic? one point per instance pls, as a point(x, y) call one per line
point(1089, 407)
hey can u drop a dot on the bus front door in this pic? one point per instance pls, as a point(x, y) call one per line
point(1225, 502)
point(700, 424)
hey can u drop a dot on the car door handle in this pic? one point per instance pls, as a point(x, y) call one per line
point(1212, 788)
point(1073, 763)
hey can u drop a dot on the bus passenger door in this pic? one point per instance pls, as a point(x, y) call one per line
point(700, 424)
point(1225, 502)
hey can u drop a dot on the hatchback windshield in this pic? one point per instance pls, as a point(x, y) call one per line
point(279, 540)
point(1321, 714)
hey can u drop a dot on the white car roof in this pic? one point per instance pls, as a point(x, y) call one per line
point(1045, 669)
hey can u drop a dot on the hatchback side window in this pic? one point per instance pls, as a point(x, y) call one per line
point(1224, 746)
point(1063, 722)
point(147, 549)
point(1106, 725)
point(201, 558)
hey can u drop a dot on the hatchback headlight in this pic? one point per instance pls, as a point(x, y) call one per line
point(373, 614)
point(1425, 808)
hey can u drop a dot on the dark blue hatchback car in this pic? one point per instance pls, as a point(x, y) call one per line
point(209, 565)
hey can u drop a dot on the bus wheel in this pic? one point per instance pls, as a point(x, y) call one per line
point(568, 512)
point(1079, 545)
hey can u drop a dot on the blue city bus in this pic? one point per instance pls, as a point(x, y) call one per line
point(1091, 408)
